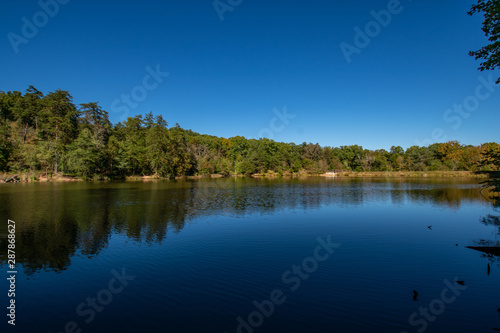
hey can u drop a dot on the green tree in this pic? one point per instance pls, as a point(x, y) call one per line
point(131, 136)
point(86, 155)
point(94, 118)
point(59, 123)
point(26, 110)
point(157, 147)
point(180, 157)
point(5, 145)
point(490, 54)
point(7, 102)
point(491, 162)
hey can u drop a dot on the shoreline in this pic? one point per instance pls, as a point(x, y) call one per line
point(410, 174)
point(41, 178)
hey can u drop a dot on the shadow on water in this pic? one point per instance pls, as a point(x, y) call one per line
point(58, 221)
point(490, 248)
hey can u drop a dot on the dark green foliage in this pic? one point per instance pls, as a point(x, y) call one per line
point(491, 28)
point(48, 133)
point(85, 155)
point(490, 54)
point(491, 161)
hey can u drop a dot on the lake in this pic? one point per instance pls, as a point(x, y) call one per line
point(252, 255)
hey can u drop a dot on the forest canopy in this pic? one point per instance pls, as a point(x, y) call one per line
point(48, 133)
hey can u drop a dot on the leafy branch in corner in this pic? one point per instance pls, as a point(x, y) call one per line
point(491, 27)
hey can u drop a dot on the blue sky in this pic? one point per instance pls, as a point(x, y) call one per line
point(225, 77)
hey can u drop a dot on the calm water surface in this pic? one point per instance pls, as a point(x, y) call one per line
point(208, 255)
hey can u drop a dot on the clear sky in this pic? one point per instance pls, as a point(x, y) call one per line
point(225, 77)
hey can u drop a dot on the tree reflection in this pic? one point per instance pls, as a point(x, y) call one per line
point(56, 222)
point(490, 248)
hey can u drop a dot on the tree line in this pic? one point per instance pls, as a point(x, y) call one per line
point(49, 133)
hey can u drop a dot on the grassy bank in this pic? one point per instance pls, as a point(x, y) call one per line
point(387, 174)
point(29, 177)
point(42, 177)
point(445, 174)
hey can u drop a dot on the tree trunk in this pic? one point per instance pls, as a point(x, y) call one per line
point(55, 166)
point(25, 133)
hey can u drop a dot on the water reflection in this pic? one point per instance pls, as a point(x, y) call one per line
point(57, 221)
point(490, 248)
